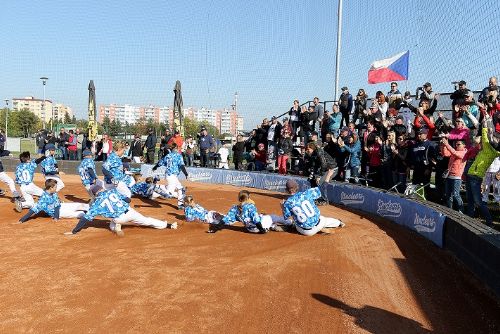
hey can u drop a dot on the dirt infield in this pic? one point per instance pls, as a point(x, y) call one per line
point(371, 277)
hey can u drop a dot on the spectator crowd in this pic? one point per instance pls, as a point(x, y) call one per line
point(395, 143)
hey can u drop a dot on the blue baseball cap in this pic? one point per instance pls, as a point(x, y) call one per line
point(50, 147)
point(86, 153)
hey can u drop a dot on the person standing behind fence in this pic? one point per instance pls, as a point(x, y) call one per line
point(188, 148)
point(238, 150)
point(80, 144)
point(137, 149)
point(72, 146)
point(206, 144)
point(345, 106)
point(150, 146)
point(294, 115)
point(477, 172)
point(107, 147)
point(63, 143)
point(319, 110)
point(453, 176)
point(40, 141)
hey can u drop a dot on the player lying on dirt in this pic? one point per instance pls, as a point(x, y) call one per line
point(194, 211)
point(112, 204)
point(50, 204)
point(299, 209)
point(246, 212)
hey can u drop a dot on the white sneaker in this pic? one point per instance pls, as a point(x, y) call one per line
point(112, 226)
point(118, 230)
point(172, 226)
point(19, 205)
point(342, 224)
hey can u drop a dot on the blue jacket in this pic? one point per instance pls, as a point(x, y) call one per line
point(355, 151)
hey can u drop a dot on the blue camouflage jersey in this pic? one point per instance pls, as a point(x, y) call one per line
point(25, 172)
point(47, 203)
point(143, 189)
point(302, 209)
point(49, 166)
point(85, 165)
point(113, 165)
point(172, 162)
point(109, 204)
point(195, 212)
point(248, 215)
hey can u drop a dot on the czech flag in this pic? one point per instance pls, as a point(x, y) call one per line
point(394, 68)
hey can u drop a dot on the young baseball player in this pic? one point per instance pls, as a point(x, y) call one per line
point(24, 178)
point(246, 212)
point(174, 165)
point(113, 204)
point(112, 168)
point(149, 188)
point(301, 210)
point(88, 174)
point(50, 168)
point(9, 182)
point(50, 204)
point(194, 211)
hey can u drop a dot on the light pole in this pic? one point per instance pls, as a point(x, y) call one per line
point(44, 82)
point(6, 119)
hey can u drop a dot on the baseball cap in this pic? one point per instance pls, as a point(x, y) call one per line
point(373, 106)
point(422, 131)
point(345, 128)
point(50, 147)
point(462, 82)
point(86, 153)
point(291, 184)
point(273, 118)
point(344, 88)
point(427, 84)
point(400, 117)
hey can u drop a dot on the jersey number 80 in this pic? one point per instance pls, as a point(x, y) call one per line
point(304, 211)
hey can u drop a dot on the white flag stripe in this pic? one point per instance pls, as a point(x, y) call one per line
point(383, 63)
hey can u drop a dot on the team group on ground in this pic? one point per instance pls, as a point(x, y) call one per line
point(110, 198)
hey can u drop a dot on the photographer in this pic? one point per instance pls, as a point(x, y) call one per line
point(458, 96)
point(487, 94)
point(426, 93)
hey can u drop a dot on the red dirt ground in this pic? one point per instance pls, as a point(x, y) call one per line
point(371, 277)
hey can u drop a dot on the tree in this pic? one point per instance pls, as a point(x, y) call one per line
point(67, 119)
point(24, 123)
point(115, 128)
point(106, 124)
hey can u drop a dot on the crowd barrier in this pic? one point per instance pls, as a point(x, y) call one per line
point(418, 217)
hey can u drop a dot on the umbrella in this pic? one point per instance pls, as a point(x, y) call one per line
point(92, 127)
point(178, 121)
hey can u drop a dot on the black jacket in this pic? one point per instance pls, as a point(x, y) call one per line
point(150, 142)
point(136, 148)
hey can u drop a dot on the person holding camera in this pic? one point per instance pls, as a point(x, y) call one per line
point(488, 93)
point(458, 96)
point(426, 93)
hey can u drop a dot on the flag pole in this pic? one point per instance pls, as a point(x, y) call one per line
point(337, 58)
